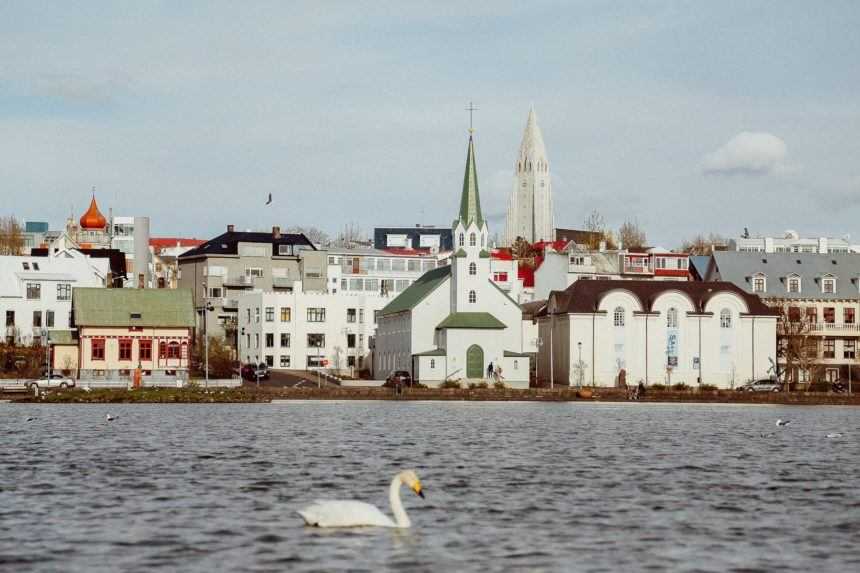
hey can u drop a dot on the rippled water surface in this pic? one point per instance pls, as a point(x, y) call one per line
point(510, 486)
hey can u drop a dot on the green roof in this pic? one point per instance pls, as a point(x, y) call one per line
point(417, 291)
point(484, 254)
point(471, 320)
point(62, 337)
point(470, 201)
point(511, 354)
point(133, 307)
point(434, 352)
point(460, 253)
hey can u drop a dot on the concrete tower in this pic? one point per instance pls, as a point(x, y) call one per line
point(530, 213)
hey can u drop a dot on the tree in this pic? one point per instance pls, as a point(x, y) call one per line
point(315, 235)
point(631, 235)
point(701, 245)
point(220, 358)
point(595, 224)
point(11, 236)
point(796, 345)
point(350, 236)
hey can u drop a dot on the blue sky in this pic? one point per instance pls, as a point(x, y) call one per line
point(687, 116)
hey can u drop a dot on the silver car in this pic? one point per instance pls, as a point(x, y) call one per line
point(52, 381)
point(766, 385)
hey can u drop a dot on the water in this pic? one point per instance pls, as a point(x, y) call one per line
point(510, 486)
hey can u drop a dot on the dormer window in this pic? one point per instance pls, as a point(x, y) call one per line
point(828, 285)
point(472, 239)
point(759, 283)
point(793, 283)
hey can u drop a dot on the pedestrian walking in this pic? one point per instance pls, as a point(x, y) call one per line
point(490, 370)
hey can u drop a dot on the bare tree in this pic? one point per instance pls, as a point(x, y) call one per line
point(701, 245)
point(797, 346)
point(595, 224)
point(350, 236)
point(631, 235)
point(11, 236)
point(315, 235)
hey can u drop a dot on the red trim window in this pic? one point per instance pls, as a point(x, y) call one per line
point(145, 349)
point(125, 349)
point(98, 349)
point(162, 349)
point(173, 350)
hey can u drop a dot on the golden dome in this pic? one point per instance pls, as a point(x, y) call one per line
point(93, 219)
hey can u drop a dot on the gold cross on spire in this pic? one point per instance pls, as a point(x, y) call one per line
point(471, 109)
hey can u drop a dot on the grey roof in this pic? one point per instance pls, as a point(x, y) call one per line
point(739, 268)
point(699, 264)
point(228, 243)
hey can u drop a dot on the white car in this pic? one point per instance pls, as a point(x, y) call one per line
point(52, 381)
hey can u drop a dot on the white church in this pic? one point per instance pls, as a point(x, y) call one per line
point(530, 212)
point(454, 321)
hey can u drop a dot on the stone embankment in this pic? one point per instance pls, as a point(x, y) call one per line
point(251, 394)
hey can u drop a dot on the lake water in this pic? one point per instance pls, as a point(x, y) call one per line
point(509, 486)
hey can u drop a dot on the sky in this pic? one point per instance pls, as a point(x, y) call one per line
point(686, 117)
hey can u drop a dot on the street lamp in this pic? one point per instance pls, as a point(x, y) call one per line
point(538, 342)
point(579, 365)
point(47, 352)
point(207, 306)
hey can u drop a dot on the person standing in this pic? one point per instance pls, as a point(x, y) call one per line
point(490, 370)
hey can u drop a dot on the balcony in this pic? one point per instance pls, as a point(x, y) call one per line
point(240, 281)
point(230, 303)
point(632, 269)
point(282, 282)
point(834, 328)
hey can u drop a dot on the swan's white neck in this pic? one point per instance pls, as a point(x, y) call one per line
point(400, 517)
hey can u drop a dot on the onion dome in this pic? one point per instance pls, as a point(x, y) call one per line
point(93, 219)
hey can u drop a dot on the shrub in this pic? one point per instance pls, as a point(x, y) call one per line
point(499, 385)
point(708, 388)
point(478, 385)
point(657, 387)
point(451, 384)
point(680, 387)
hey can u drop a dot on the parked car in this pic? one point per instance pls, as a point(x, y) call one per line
point(252, 371)
point(401, 377)
point(52, 381)
point(766, 385)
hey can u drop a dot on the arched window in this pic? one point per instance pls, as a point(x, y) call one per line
point(473, 298)
point(473, 269)
point(672, 318)
point(472, 239)
point(725, 318)
point(461, 239)
point(618, 316)
point(432, 363)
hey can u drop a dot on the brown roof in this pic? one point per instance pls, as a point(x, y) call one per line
point(584, 296)
point(530, 309)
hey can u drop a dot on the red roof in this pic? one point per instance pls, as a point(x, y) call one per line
point(407, 251)
point(166, 242)
point(502, 254)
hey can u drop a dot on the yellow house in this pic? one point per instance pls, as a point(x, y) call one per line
point(120, 330)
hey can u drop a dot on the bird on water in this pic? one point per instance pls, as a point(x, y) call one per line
point(782, 423)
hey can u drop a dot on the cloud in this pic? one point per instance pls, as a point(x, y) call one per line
point(747, 153)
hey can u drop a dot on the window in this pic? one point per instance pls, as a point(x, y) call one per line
point(249, 314)
point(413, 265)
point(398, 264)
point(660, 262)
point(350, 361)
point(473, 269)
point(270, 314)
point(315, 361)
point(215, 292)
point(361, 316)
point(270, 360)
point(811, 314)
point(316, 314)
point(285, 340)
point(577, 260)
point(257, 315)
point(500, 277)
point(285, 314)
point(848, 315)
point(26, 265)
point(376, 316)
point(64, 291)
point(257, 340)
point(829, 314)
point(10, 318)
point(472, 241)
point(285, 250)
point(672, 318)
point(270, 340)
point(316, 340)
point(473, 298)
point(125, 349)
point(97, 350)
point(759, 284)
point(49, 318)
point(350, 315)
point(794, 314)
point(460, 240)
point(285, 361)
point(849, 348)
point(350, 341)
point(828, 348)
point(516, 364)
point(145, 349)
point(618, 316)
point(793, 284)
point(253, 272)
point(432, 363)
point(681, 264)
point(725, 318)
point(828, 285)
point(34, 291)
point(37, 318)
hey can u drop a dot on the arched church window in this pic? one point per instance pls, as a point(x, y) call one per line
point(473, 269)
point(461, 239)
point(672, 318)
point(473, 298)
point(472, 240)
point(618, 316)
point(725, 318)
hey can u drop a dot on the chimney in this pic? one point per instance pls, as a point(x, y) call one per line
point(276, 232)
point(231, 228)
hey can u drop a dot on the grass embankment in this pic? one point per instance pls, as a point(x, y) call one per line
point(252, 394)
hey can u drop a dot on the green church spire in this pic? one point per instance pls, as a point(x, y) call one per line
point(470, 201)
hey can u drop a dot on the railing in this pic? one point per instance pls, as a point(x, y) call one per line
point(230, 303)
point(638, 269)
point(241, 280)
point(833, 327)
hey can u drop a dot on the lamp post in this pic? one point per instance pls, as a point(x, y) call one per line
point(551, 360)
point(207, 306)
point(579, 365)
point(538, 342)
point(47, 352)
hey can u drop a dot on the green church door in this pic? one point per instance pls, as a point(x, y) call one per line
point(475, 362)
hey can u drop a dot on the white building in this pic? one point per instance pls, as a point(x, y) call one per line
point(792, 242)
point(36, 292)
point(659, 332)
point(530, 212)
point(454, 321)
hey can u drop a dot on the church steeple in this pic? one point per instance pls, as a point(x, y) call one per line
point(470, 200)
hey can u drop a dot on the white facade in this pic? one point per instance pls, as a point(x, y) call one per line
point(36, 292)
point(376, 271)
point(714, 339)
point(792, 242)
point(530, 211)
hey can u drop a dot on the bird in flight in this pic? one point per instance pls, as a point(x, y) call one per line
point(269, 201)
point(782, 423)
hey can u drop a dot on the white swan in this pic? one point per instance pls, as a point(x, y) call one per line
point(349, 513)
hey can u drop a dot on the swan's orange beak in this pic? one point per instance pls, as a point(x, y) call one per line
point(417, 489)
